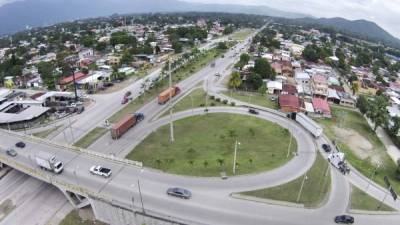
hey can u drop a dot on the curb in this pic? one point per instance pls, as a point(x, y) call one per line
point(267, 201)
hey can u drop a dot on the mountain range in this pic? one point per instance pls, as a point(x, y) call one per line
point(16, 16)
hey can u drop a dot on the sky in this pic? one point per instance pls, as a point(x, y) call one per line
point(386, 13)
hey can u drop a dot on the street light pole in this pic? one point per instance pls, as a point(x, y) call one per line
point(290, 143)
point(234, 156)
point(301, 187)
point(140, 191)
point(372, 176)
point(171, 125)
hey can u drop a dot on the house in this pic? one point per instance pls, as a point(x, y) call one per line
point(289, 103)
point(287, 69)
point(113, 60)
point(333, 96)
point(289, 89)
point(319, 86)
point(36, 82)
point(68, 80)
point(321, 107)
point(274, 87)
point(347, 101)
point(277, 67)
point(302, 78)
point(85, 53)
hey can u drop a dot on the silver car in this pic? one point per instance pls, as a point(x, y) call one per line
point(179, 192)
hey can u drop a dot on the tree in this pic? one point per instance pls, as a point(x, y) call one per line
point(101, 46)
point(222, 46)
point(158, 161)
point(45, 69)
point(263, 89)
point(264, 69)
point(235, 81)
point(355, 87)
point(221, 162)
point(377, 111)
point(254, 81)
point(362, 104)
point(310, 53)
point(205, 163)
point(394, 130)
point(126, 58)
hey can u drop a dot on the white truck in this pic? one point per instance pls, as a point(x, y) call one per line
point(337, 159)
point(309, 124)
point(48, 162)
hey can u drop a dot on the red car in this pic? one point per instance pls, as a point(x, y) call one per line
point(124, 100)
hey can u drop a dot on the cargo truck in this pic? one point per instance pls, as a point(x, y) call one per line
point(165, 96)
point(122, 126)
point(309, 124)
point(49, 162)
point(337, 159)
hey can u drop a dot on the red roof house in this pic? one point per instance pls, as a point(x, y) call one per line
point(321, 106)
point(289, 89)
point(289, 103)
point(69, 79)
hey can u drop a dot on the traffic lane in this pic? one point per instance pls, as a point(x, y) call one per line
point(208, 208)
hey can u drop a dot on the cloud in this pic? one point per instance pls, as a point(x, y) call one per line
point(383, 12)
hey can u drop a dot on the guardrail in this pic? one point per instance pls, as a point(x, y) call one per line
point(76, 149)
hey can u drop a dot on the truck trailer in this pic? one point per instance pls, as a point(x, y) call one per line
point(309, 124)
point(122, 126)
point(49, 162)
point(165, 96)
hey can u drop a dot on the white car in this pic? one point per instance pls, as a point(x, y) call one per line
point(100, 171)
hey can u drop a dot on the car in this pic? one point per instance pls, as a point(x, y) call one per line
point(273, 98)
point(11, 152)
point(100, 171)
point(179, 192)
point(346, 219)
point(327, 148)
point(124, 100)
point(20, 144)
point(253, 111)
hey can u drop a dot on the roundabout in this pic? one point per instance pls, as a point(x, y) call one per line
point(204, 145)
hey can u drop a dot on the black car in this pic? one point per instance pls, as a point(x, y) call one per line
point(179, 192)
point(20, 144)
point(327, 148)
point(253, 111)
point(346, 219)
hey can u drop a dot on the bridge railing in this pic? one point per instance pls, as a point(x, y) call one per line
point(76, 149)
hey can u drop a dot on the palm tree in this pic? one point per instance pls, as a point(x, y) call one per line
point(235, 81)
point(220, 162)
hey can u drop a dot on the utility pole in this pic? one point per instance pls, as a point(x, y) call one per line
point(171, 125)
point(76, 92)
point(70, 127)
point(234, 156)
point(206, 93)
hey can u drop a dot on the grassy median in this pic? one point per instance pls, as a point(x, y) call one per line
point(362, 201)
point(253, 98)
point(73, 218)
point(204, 146)
point(315, 189)
point(45, 133)
point(90, 137)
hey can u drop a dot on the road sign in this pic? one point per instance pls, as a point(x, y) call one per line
point(393, 193)
point(386, 179)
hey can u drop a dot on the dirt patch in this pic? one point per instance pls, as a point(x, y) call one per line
point(5, 208)
point(358, 144)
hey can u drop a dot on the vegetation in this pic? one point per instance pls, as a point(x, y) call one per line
point(316, 187)
point(204, 146)
point(179, 74)
point(90, 137)
point(362, 201)
point(253, 98)
point(353, 120)
point(45, 133)
point(199, 100)
point(73, 218)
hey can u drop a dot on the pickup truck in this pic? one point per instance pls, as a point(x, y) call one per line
point(100, 171)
